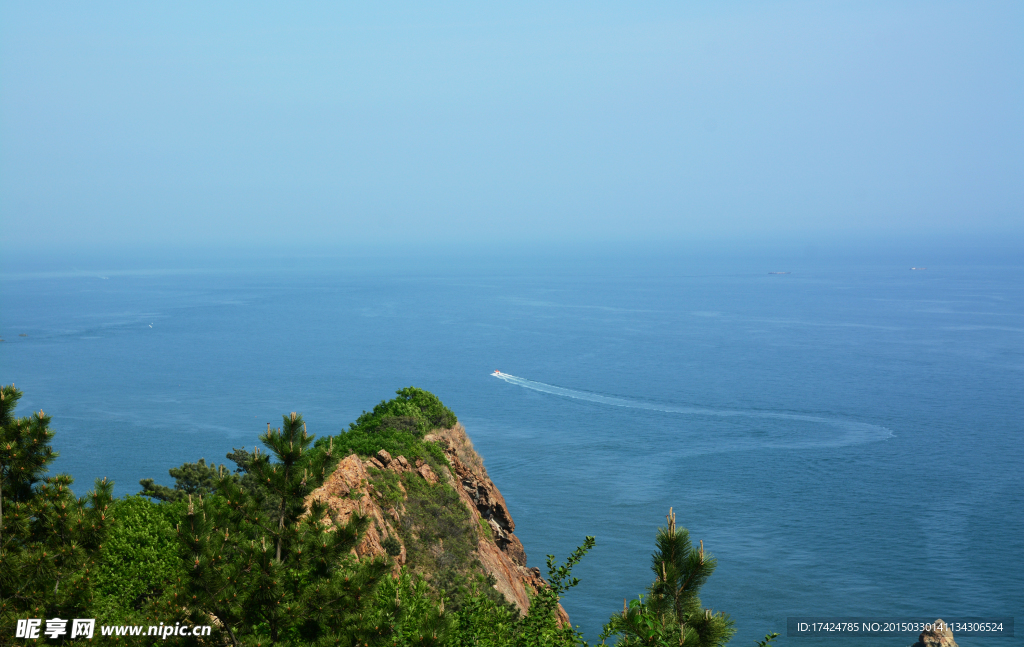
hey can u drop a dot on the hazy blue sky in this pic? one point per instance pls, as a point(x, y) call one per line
point(151, 123)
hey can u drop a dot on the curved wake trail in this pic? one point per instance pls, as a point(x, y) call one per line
point(853, 432)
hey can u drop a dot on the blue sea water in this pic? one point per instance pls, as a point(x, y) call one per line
point(846, 439)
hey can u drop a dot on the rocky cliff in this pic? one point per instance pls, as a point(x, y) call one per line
point(402, 498)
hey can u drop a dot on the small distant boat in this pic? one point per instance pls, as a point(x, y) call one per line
point(780, 272)
point(919, 268)
point(496, 373)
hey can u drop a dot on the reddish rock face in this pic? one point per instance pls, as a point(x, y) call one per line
point(427, 473)
point(502, 554)
point(347, 490)
point(503, 557)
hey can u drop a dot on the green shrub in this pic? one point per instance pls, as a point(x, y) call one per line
point(440, 541)
point(396, 426)
point(414, 410)
point(436, 517)
point(139, 558)
point(386, 486)
point(485, 529)
point(391, 546)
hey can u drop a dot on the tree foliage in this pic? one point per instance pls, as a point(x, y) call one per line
point(251, 554)
point(269, 572)
point(191, 478)
point(49, 539)
point(398, 427)
point(672, 613)
point(138, 561)
point(413, 410)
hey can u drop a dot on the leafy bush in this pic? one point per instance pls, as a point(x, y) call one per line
point(397, 426)
point(439, 536)
point(406, 612)
point(386, 486)
point(138, 560)
point(391, 546)
point(483, 622)
point(366, 443)
point(414, 410)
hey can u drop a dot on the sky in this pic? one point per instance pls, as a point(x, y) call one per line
point(150, 124)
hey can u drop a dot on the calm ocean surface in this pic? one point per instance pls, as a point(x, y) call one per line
point(845, 439)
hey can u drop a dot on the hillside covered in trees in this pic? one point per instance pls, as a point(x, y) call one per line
point(389, 533)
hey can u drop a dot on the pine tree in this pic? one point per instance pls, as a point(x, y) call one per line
point(49, 540)
point(191, 478)
point(266, 569)
point(672, 614)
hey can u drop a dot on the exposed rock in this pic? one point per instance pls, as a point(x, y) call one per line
point(514, 549)
point(505, 557)
point(456, 440)
point(347, 490)
point(427, 473)
point(936, 637)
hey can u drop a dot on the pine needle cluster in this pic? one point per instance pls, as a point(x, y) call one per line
point(672, 614)
point(262, 567)
point(49, 539)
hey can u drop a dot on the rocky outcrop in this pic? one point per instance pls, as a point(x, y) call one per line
point(347, 490)
point(351, 488)
point(502, 554)
point(936, 637)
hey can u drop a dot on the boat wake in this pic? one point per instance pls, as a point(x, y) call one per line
point(803, 430)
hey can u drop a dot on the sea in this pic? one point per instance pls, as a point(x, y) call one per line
point(842, 432)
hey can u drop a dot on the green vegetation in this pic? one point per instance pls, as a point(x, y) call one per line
point(49, 540)
point(191, 478)
point(440, 541)
point(414, 410)
point(264, 567)
point(386, 486)
point(398, 427)
point(485, 530)
point(138, 559)
point(672, 613)
point(240, 550)
point(484, 623)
